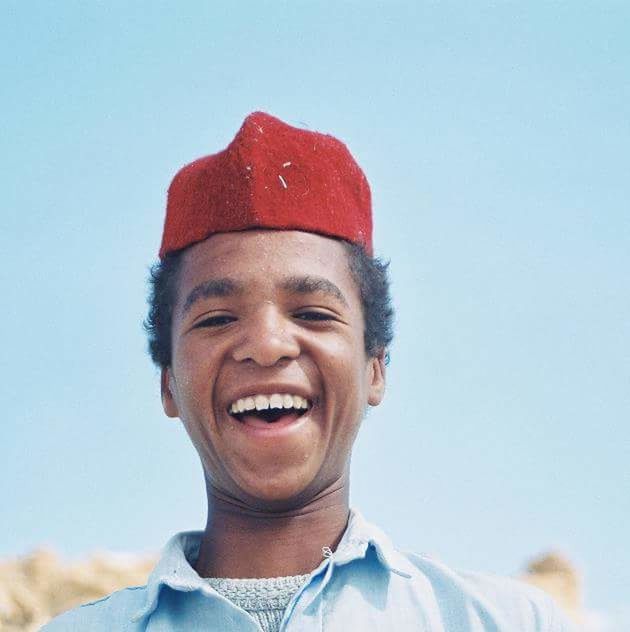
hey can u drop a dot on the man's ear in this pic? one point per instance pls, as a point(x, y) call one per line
point(376, 375)
point(168, 401)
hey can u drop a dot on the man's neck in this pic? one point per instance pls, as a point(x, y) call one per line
point(241, 542)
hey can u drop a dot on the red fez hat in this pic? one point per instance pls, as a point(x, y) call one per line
point(273, 176)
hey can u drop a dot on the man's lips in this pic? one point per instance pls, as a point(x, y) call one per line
point(271, 409)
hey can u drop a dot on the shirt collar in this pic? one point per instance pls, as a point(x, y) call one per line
point(359, 535)
point(175, 570)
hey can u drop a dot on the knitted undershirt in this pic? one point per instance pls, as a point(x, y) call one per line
point(265, 599)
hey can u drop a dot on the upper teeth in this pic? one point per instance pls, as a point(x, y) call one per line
point(263, 402)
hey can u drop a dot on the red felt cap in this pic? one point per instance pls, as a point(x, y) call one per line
point(272, 175)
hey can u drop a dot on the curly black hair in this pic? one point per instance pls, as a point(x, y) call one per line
point(369, 273)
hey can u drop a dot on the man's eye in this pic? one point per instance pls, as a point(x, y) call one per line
point(313, 316)
point(215, 321)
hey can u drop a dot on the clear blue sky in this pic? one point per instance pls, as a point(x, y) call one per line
point(496, 137)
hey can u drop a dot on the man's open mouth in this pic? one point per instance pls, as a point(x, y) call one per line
point(269, 408)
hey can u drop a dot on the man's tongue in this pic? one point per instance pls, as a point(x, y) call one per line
point(281, 418)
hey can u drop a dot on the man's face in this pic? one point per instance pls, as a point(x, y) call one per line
point(262, 313)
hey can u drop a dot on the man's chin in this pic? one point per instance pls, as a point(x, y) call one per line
point(288, 491)
point(273, 492)
point(278, 496)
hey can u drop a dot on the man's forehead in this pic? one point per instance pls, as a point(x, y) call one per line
point(229, 264)
point(248, 250)
point(267, 236)
point(294, 284)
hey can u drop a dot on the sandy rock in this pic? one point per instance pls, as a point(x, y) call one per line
point(557, 576)
point(35, 588)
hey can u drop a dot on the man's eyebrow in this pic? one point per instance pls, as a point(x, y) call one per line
point(312, 284)
point(211, 288)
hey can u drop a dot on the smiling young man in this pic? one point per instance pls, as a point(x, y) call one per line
point(270, 321)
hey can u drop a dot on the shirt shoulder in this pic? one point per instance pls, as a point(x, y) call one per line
point(496, 600)
point(113, 612)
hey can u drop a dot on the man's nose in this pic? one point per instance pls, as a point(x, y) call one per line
point(267, 340)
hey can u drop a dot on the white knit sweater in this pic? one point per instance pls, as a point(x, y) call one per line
point(264, 599)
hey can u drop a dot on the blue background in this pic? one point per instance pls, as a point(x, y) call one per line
point(496, 137)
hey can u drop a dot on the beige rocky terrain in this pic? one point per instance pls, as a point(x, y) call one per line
point(39, 586)
point(554, 574)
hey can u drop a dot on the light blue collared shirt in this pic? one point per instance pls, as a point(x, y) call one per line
point(366, 584)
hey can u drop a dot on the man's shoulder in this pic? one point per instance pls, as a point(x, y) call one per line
point(113, 612)
point(492, 597)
